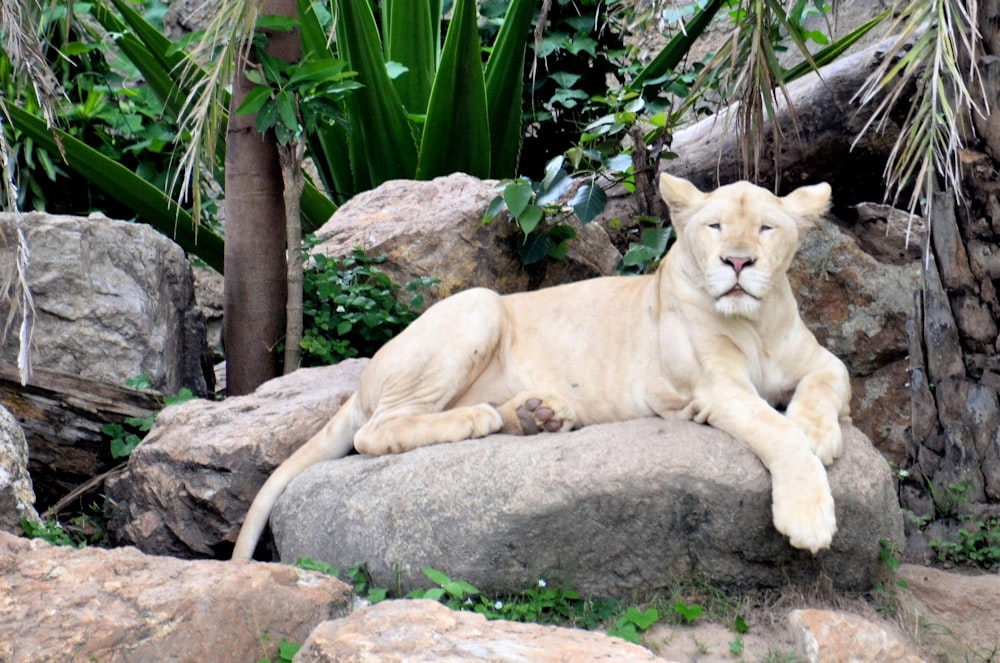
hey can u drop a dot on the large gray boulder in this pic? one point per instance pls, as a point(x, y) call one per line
point(112, 300)
point(616, 509)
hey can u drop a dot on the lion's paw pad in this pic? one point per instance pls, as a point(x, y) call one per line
point(536, 416)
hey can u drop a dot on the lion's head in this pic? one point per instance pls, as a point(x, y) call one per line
point(740, 238)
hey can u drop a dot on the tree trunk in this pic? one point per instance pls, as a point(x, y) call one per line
point(62, 415)
point(255, 279)
point(954, 349)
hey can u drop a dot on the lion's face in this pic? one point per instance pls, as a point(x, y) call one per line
point(740, 238)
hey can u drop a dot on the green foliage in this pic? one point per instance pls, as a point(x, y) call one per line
point(978, 544)
point(885, 597)
point(540, 209)
point(286, 651)
point(294, 98)
point(357, 575)
point(78, 532)
point(444, 111)
point(351, 308)
point(644, 256)
point(539, 604)
point(688, 612)
point(949, 499)
point(741, 628)
point(102, 107)
point(125, 437)
point(629, 625)
point(50, 531)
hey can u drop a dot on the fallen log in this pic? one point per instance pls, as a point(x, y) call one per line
point(62, 415)
point(820, 141)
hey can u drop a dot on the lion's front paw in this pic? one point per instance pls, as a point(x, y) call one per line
point(825, 436)
point(803, 506)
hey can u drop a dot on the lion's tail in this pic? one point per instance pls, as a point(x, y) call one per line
point(335, 440)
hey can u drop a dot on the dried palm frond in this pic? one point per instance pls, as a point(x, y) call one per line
point(24, 50)
point(226, 38)
point(751, 78)
point(932, 70)
point(14, 290)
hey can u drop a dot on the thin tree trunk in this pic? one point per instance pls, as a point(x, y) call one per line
point(290, 157)
point(255, 280)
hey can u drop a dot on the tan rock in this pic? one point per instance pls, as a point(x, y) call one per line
point(420, 631)
point(60, 604)
point(190, 482)
point(838, 637)
point(436, 229)
point(957, 615)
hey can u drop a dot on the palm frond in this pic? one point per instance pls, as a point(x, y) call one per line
point(932, 70)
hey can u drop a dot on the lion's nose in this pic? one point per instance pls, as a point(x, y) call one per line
point(738, 263)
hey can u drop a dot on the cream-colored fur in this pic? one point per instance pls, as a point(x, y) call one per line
point(714, 336)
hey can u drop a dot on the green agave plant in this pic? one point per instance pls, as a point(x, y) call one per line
point(445, 112)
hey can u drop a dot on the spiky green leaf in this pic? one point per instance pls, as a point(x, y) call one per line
point(381, 140)
point(456, 136)
point(150, 204)
point(412, 44)
point(504, 87)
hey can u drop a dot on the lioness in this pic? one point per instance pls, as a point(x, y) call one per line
point(714, 336)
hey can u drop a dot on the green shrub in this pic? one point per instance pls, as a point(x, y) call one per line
point(351, 308)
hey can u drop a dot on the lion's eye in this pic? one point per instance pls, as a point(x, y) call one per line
point(766, 228)
point(715, 226)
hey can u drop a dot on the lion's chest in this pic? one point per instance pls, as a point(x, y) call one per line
point(768, 373)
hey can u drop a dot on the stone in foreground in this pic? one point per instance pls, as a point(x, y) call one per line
point(611, 510)
point(424, 631)
point(63, 604)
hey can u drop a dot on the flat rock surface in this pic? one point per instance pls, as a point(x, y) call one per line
point(957, 614)
point(614, 509)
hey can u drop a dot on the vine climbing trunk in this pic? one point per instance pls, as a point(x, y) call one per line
point(255, 279)
point(954, 347)
point(290, 157)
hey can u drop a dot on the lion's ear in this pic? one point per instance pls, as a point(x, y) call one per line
point(808, 203)
point(679, 194)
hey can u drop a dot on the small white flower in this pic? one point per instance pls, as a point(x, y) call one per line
point(541, 582)
point(498, 605)
point(468, 601)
